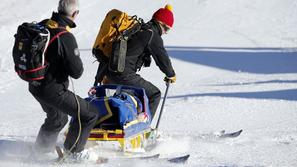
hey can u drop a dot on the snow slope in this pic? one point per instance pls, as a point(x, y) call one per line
point(236, 65)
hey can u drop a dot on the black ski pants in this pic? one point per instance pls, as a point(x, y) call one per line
point(153, 93)
point(57, 106)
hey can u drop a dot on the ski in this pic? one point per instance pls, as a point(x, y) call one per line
point(155, 157)
point(178, 159)
point(101, 160)
point(223, 134)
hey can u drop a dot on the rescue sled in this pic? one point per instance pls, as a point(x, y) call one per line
point(124, 116)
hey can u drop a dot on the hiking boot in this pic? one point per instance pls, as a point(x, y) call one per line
point(80, 156)
point(73, 157)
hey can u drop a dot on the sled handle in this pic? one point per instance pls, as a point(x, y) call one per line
point(163, 104)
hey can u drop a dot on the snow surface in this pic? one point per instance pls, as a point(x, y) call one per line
point(236, 65)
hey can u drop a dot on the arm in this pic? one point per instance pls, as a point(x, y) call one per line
point(72, 62)
point(160, 56)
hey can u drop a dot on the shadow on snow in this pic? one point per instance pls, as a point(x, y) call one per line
point(289, 94)
point(254, 83)
point(251, 60)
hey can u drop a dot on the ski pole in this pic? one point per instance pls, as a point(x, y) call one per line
point(163, 104)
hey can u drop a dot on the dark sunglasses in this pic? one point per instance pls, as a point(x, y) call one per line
point(166, 28)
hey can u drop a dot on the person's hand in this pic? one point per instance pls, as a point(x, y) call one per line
point(92, 91)
point(170, 79)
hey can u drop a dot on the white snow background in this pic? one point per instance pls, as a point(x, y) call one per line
point(236, 65)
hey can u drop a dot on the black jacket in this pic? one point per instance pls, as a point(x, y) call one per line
point(63, 58)
point(144, 43)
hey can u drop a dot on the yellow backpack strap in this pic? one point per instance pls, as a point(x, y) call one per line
point(53, 25)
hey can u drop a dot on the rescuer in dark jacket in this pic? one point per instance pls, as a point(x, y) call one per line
point(52, 92)
point(142, 45)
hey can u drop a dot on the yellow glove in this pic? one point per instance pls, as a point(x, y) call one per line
point(170, 79)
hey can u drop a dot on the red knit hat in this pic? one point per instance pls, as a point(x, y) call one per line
point(165, 15)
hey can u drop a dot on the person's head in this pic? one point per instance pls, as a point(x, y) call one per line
point(164, 16)
point(69, 8)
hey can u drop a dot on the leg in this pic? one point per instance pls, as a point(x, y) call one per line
point(88, 118)
point(152, 92)
point(65, 102)
point(49, 131)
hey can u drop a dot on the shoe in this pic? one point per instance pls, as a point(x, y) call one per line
point(80, 156)
point(72, 157)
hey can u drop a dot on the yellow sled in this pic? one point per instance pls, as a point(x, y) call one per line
point(126, 122)
point(126, 143)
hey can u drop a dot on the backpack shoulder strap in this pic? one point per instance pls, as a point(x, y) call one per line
point(55, 37)
point(151, 37)
point(53, 25)
point(147, 27)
